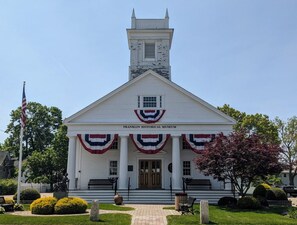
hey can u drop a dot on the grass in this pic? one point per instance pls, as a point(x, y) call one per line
point(105, 219)
point(234, 216)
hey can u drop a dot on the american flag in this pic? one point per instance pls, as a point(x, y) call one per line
point(24, 107)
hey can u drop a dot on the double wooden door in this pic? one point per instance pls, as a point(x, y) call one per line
point(150, 174)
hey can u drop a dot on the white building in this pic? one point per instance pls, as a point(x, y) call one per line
point(148, 131)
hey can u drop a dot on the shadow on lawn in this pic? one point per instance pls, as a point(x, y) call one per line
point(276, 210)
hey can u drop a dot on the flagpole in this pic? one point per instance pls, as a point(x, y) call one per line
point(23, 117)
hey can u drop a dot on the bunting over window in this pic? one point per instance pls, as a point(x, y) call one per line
point(197, 141)
point(97, 143)
point(149, 115)
point(149, 143)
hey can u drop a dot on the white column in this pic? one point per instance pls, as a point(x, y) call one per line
point(71, 162)
point(123, 173)
point(176, 164)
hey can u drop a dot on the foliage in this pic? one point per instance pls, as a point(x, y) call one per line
point(44, 206)
point(248, 202)
point(261, 190)
point(276, 194)
point(227, 201)
point(19, 207)
point(263, 201)
point(28, 194)
point(42, 167)
point(239, 158)
point(49, 166)
point(257, 123)
point(2, 210)
point(272, 180)
point(70, 205)
point(292, 213)
point(288, 136)
point(9, 201)
point(41, 124)
point(9, 186)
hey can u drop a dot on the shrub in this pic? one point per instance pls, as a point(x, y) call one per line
point(248, 202)
point(2, 210)
point(261, 190)
point(263, 201)
point(292, 213)
point(9, 201)
point(71, 205)
point(19, 207)
point(9, 186)
point(28, 194)
point(276, 194)
point(44, 206)
point(227, 201)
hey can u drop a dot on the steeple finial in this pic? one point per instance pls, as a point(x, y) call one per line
point(166, 15)
point(133, 13)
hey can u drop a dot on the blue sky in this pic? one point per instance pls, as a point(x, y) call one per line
point(71, 53)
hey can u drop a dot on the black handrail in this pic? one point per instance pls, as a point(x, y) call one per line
point(129, 188)
point(170, 185)
point(186, 181)
point(114, 180)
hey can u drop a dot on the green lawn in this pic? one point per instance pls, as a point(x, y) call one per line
point(232, 216)
point(105, 219)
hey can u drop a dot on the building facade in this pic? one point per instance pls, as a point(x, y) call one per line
point(148, 131)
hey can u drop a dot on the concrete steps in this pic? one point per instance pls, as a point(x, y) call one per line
point(148, 196)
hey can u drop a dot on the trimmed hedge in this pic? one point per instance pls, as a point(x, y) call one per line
point(227, 201)
point(261, 190)
point(9, 186)
point(28, 194)
point(71, 205)
point(276, 194)
point(248, 202)
point(44, 206)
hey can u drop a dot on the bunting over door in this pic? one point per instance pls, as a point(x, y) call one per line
point(197, 141)
point(97, 143)
point(149, 115)
point(149, 143)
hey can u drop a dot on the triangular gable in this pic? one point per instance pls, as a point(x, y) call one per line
point(132, 82)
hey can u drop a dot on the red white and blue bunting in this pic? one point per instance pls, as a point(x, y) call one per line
point(149, 143)
point(97, 143)
point(197, 141)
point(149, 115)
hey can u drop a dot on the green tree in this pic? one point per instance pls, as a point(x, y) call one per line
point(288, 136)
point(42, 167)
point(255, 123)
point(41, 125)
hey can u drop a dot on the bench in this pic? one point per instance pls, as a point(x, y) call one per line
point(198, 184)
point(7, 207)
point(291, 190)
point(100, 183)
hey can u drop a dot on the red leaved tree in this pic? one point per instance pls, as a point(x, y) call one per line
point(239, 158)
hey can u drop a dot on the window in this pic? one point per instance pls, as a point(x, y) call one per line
point(115, 145)
point(185, 145)
point(113, 168)
point(149, 50)
point(150, 101)
point(186, 168)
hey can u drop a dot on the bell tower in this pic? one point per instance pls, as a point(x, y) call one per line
point(149, 44)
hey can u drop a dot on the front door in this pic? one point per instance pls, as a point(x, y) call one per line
point(150, 174)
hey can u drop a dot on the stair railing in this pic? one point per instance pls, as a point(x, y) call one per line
point(170, 185)
point(129, 185)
